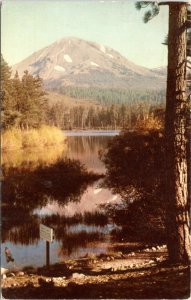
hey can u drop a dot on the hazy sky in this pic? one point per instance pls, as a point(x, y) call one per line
point(29, 25)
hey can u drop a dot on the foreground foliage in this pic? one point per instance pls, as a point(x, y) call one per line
point(14, 138)
point(137, 174)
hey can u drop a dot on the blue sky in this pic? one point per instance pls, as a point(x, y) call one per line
point(29, 25)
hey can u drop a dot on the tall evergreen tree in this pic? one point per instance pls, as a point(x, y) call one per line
point(177, 156)
point(9, 113)
point(23, 101)
point(34, 103)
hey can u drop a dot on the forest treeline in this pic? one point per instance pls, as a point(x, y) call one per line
point(119, 116)
point(114, 96)
point(25, 105)
point(115, 108)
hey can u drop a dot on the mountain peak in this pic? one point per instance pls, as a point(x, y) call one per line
point(72, 61)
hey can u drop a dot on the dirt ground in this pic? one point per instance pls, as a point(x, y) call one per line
point(144, 274)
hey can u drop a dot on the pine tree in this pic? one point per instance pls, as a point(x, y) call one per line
point(177, 156)
point(8, 111)
point(34, 104)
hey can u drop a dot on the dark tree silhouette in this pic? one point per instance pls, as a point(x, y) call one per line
point(177, 155)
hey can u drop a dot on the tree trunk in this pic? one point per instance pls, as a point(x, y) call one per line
point(177, 207)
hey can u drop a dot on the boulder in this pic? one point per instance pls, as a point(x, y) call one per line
point(78, 276)
point(20, 273)
point(4, 271)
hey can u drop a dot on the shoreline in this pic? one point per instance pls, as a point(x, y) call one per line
point(136, 275)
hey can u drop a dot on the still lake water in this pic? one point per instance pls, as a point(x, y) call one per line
point(80, 225)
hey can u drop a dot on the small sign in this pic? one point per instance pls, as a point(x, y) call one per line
point(46, 233)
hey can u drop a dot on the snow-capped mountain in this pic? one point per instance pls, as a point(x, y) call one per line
point(76, 62)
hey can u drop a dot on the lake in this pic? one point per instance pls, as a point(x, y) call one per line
point(36, 189)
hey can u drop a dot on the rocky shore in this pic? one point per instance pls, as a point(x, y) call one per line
point(141, 274)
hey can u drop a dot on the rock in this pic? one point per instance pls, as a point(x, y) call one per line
point(132, 253)
point(158, 247)
point(58, 278)
point(78, 276)
point(112, 258)
point(4, 271)
point(151, 261)
point(154, 249)
point(157, 259)
point(147, 250)
point(20, 274)
point(108, 258)
point(131, 266)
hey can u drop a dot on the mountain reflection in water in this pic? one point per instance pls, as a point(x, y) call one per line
point(55, 189)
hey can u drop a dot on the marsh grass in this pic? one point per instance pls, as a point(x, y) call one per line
point(14, 139)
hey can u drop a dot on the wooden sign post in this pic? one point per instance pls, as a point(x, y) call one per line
point(47, 234)
point(47, 254)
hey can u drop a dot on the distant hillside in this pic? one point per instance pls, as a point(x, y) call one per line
point(68, 101)
point(73, 62)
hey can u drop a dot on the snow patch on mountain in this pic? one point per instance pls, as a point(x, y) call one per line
point(67, 58)
point(59, 68)
point(102, 48)
point(94, 64)
point(109, 55)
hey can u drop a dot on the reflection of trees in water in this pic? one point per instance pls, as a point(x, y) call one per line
point(74, 240)
point(25, 234)
point(63, 181)
point(87, 144)
point(86, 148)
point(135, 170)
point(25, 189)
point(32, 159)
point(96, 218)
point(26, 231)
